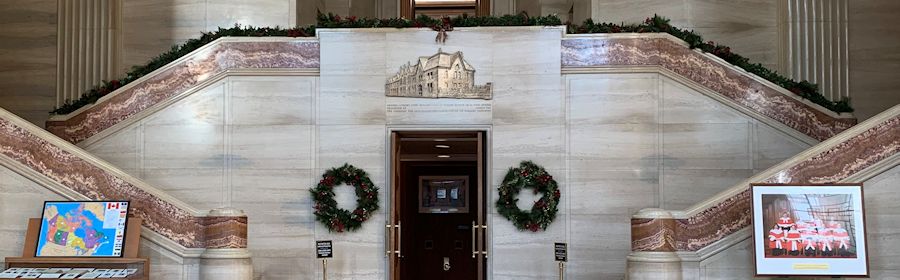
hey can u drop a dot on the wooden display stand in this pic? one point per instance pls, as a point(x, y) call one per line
point(129, 259)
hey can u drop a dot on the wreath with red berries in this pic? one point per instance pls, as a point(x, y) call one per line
point(532, 176)
point(327, 211)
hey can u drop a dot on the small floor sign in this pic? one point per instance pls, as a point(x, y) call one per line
point(560, 252)
point(323, 249)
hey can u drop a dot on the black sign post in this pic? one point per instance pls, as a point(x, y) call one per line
point(324, 251)
point(561, 255)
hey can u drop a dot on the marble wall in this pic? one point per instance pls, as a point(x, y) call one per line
point(28, 58)
point(874, 59)
point(750, 27)
point(258, 143)
point(654, 144)
point(151, 27)
point(242, 142)
point(736, 262)
point(23, 198)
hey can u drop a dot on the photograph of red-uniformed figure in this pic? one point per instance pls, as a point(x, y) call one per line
point(808, 226)
point(809, 230)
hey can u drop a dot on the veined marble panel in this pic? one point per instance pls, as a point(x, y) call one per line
point(184, 75)
point(682, 188)
point(352, 53)
point(771, 147)
point(510, 50)
point(26, 145)
point(518, 254)
point(226, 13)
point(271, 147)
point(200, 187)
point(358, 254)
point(183, 146)
point(614, 146)
point(268, 100)
point(543, 144)
point(598, 246)
point(706, 146)
point(876, 141)
point(613, 98)
point(28, 73)
point(365, 149)
point(681, 104)
point(165, 265)
point(611, 192)
point(718, 76)
point(121, 149)
point(21, 199)
point(528, 99)
point(355, 99)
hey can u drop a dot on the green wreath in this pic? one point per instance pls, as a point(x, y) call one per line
point(542, 213)
point(327, 211)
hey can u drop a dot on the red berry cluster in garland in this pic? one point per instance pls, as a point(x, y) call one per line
point(326, 209)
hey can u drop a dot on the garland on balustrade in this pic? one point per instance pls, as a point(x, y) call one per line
point(656, 23)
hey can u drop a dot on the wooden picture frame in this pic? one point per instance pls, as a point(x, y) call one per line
point(809, 230)
point(443, 194)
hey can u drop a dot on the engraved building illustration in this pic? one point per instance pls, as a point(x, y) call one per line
point(442, 75)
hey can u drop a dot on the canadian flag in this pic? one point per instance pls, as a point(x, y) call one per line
point(112, 205)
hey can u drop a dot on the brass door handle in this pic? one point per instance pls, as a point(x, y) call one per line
point(399, 240)
point(474, 252)
point(446, 264)
point(483, 230)
point(388, 236)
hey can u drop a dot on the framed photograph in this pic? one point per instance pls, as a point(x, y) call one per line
point(809, 230)
point(444, 194)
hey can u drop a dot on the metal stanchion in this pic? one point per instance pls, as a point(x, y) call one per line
point(562, 270)
point(325, 269)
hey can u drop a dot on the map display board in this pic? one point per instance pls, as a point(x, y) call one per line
point(82, 229)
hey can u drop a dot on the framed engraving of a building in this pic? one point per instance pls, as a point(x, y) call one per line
point(442, 75)
point(809, 230)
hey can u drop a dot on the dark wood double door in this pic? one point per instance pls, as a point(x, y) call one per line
point(438, 207)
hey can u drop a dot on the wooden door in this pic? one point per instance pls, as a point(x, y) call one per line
point(392, 226)
point(480, 253)
point(423, 244)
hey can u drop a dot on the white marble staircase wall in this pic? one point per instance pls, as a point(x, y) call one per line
point(23, 198)
point(244, 142)
point(644, 140)
point(616, 143)
point(882, 212)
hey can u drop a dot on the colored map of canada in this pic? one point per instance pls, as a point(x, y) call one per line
point(75, 229)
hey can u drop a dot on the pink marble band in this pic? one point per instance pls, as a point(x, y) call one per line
point(90, 180)
point(186, 74)
point(733, 84)
point(712, 224)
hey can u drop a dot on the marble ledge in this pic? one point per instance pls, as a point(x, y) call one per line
point(853, 155)
point(182, 76)
point(89, 179)
point(737, 85)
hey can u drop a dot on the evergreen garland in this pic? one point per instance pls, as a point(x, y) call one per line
point(657, 23)
point(326, 209)
point(529, 176)
point(803, 89)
